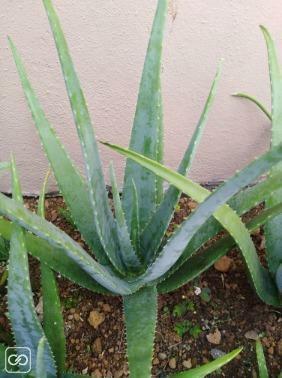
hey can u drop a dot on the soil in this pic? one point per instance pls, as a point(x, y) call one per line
point(226, 312)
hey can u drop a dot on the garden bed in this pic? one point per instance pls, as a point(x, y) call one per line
point(212, 315)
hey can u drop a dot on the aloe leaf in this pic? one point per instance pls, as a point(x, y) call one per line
point(41, 371)
point(208, 368)
point(263, 372)
point(53, 321)
point(140, 311)
point(135, 223)
point(98, 196)
point(273, 235)
point(199, 263)
point(25, 324)
point(242, 202)
point(128, 254)
point(57, 238)
point(70, 182)
point(154, 232)
point(55, 259)
point(213, 203)
point(256, 102)
point(147, 128)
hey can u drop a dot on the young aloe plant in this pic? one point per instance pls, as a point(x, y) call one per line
point(129, 255)
point(273, 234)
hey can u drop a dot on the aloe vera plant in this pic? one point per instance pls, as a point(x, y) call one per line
point(273, 228)
point(129, 254)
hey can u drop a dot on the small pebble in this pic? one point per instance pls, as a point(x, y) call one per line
point(172, 363)
point(162, 356)
point(214, 337)
point(223, 264)
point(217, 353)
point(187, 363)
point(251, 335)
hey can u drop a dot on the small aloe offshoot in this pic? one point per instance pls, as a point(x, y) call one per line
point(128, 252)
point(273, 234)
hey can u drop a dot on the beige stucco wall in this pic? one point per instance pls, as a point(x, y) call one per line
point(108, 42)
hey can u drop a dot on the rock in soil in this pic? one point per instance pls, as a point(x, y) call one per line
point(214, 337)
point(223, 264)
point(251, 335)
point(96, 318)
point(172, 363)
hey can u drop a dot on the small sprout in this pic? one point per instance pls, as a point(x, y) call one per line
point(182, 327)
point(206, 294)
point(195, 331)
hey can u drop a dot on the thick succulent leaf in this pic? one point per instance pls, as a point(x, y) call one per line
point(160, 152)
point(135, 223)
point(46, 230)
point(273, 234)
point(154, 232)
point(25, 324)
point(53, 321)
point(256, 102)
point(68, 178)
point(213, 205)
point(147, 128)
point(140, 312)
point(208, 368)
point(41, 371)
point(200, 262)
point(128, 254)
point(242, 202)
point(98, 195)
point(263, 372)
point(55, 259)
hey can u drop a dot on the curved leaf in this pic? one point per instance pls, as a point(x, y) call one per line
point(199, 263)
point(55, 259)
point(40, 227)
point(213, 206)
point(102, 215)
point(208, 368)
point(70, 182)
point(256, 102)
